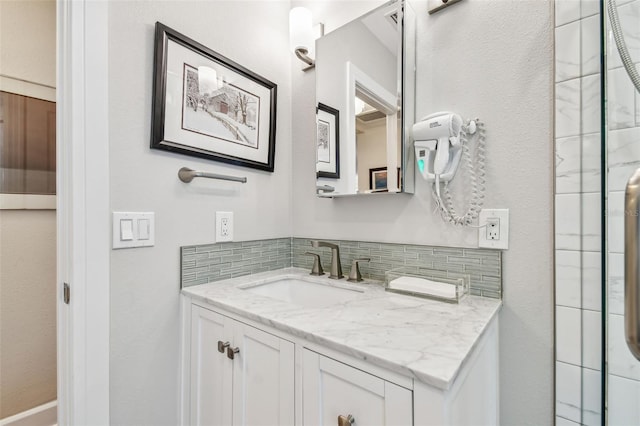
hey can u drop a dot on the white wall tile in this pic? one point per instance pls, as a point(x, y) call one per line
point(568, 51)
point(564, 422)
point(591, 397)
point(590, 43)
point(567, 219)
point(591, 222)
point(591, 339)
point(567, 11)
point(589, 7)
point(568, 278)
point(568, 108)
point(568, 391)
point(623, 149)
point(590, 155)
point(615, 222)
point(623, 401)
point(590, 104)
point(591, 281)
point(621, 360)
point(620, 100)
point(568, 335)
point(568, 165)
point(615, 292)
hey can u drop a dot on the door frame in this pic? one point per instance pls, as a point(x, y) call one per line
point(83, 223)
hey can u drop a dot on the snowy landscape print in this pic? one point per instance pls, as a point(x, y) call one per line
point(219, 110)
point(324, 150)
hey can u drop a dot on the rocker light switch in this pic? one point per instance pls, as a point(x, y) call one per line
point(143, 229)
point(126, 229)
point(133, 229)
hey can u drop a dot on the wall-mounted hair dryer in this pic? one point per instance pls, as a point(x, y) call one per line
point(440, 141)
point(437, 145)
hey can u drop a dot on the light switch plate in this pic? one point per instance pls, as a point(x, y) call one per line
point(141, 234)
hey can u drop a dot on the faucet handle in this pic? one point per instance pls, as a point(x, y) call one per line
point(354, 274)
point(317, 266)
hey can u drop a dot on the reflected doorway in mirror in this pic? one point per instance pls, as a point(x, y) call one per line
point(327, 142)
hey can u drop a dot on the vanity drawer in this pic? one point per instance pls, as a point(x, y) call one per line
point(332, 389)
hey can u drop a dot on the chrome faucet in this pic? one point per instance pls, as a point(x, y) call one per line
point(336, 267)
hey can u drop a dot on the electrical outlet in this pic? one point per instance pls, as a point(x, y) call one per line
point(224, 226)
point(493, 231)
point(493, 228)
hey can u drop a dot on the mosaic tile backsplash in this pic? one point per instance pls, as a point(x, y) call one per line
point(483, 265)
point(213, 262)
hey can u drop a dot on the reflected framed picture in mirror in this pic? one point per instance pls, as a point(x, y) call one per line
point(327, 142)
point(378, 179)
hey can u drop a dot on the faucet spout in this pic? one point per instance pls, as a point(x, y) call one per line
point(336, 266)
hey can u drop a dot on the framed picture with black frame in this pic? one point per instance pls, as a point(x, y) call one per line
point(206, 105)
point(378, 179)
point(327, 142)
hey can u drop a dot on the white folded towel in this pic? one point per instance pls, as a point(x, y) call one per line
point(424, 286)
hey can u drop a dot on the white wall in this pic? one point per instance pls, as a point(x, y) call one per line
point(27, 309)
point(27, 237)
point(491, 59)
point(28, 40)
point(145, 282)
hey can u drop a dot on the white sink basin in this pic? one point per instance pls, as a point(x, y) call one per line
point(304, 293)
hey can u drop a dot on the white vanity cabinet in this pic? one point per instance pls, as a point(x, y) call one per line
point(331, 389)
point(255, 387)
point(286, 371)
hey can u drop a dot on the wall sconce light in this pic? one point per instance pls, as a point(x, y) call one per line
point(301, 35)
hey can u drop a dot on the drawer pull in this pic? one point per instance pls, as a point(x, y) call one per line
point(346, 421)
point(222, 346)
point(231, 352)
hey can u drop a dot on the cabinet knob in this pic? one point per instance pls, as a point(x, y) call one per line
point(346, 421)
point(231, 352)
point(222, 346)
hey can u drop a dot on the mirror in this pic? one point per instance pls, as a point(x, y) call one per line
point(365, 85)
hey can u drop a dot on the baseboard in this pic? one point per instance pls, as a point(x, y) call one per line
point(43, 415)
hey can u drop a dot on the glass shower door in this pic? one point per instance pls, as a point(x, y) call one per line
point(621, 135)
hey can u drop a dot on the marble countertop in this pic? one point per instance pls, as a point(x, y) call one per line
point(420, 338)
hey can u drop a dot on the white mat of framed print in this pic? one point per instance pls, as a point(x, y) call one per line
point(206, 105)
point(327, 142)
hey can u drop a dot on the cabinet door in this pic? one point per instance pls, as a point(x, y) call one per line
point(210, 370)
point(263, 378)
point(331, 389)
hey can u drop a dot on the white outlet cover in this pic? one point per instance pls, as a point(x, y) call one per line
point(220, 235)
point(503, 242)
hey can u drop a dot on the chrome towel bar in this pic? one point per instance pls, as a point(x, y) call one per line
point(186, 175)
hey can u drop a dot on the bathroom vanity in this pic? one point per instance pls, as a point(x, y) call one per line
point(284, 348)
